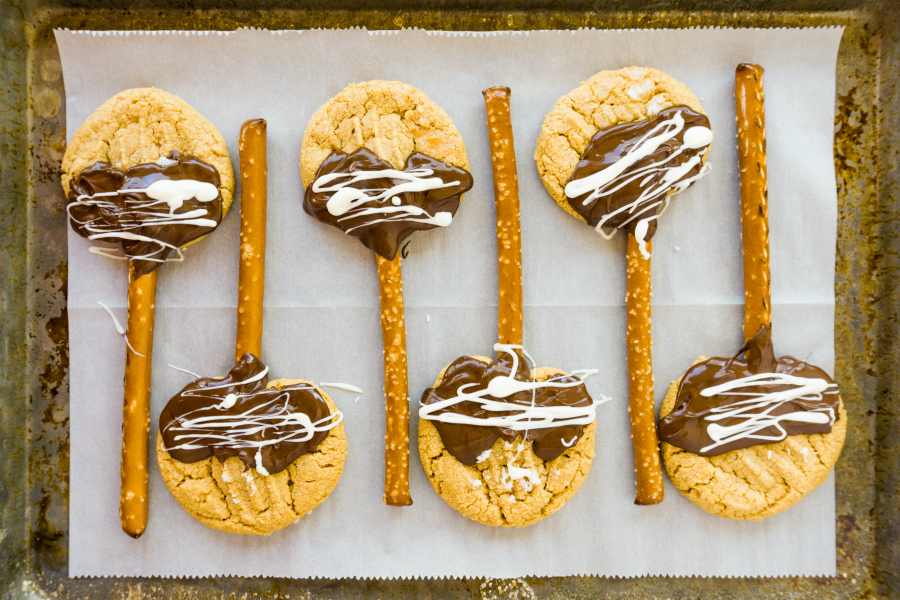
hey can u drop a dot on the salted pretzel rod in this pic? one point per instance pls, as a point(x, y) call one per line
point(134, 502)
point(644, 437)
point(396, 388)
point(506, 194)
point(251, 273)
point(751, 126)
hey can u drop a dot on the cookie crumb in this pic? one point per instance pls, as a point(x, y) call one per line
point(656, 104)
point(639, 91)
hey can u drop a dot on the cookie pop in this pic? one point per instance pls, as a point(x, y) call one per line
point(144, 176)
point(381, 161)
point(243, 454)
point(745, 438)
point(611, 153)
point(503, 444)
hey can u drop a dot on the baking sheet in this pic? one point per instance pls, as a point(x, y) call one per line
point(322, 299)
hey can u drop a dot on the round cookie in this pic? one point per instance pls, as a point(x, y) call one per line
point(607, 99)
point(141, 125)
point(390, 118)
point(756, 482)
point(484, 493)
point(230, 498)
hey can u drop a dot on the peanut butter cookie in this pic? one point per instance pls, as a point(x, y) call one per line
point(488, 492)
point(144, 125)
point(228, 497)
point(756, 482)
point(607, 99)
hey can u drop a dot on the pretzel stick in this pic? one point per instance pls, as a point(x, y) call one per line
point(396, 388)
point(252, 270)
point(644, 438)
point(751, 126)
point(133, 501)
point(506, 194)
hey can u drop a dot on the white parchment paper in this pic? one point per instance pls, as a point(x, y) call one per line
point(321, 319)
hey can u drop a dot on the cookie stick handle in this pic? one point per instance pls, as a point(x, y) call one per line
point(641, 409)
point(134, 502)
point(396, 388)
point(251, 273)
point(506, 195)
point(751, 127)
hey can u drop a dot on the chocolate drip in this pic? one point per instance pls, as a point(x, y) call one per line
point(367, 224)
point(609, 146)
point(203, 398)
point(686, 426)
point(467, 442)
point(128, 211)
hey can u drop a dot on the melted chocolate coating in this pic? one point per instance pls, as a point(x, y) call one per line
point(386, 237)
point(197, 400)
point(467, 442)
point(685, 426)
point(118, 212)
point(611, 144)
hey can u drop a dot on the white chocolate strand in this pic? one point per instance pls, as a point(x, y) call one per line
point(173, 193)
point(617, 175)
point(119, 329)
point(343, 386)
point(527, 416)
point(755, 412)
point(345, 199)
point(171, 366)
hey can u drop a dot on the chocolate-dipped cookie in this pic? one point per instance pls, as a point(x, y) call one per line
point(748, 436)
point(245, 455)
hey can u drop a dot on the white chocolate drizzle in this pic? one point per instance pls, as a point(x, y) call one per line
point(119, 329)
point(171, 366)
point(236, 430)
point(342, 386)
point(755, 412)
point(619, 174)
point(345, 199)
point(172, 192)
point(526, 417)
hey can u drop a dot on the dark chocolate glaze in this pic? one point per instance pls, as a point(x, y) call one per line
point(197, 400)
point(467, 442)
point(117, 212)
point(685, 426)
point(611, 144)
point(385, 238)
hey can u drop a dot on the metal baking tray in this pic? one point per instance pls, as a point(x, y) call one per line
point(34, 395)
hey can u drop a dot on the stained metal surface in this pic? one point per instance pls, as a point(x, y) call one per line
point(34, 451)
